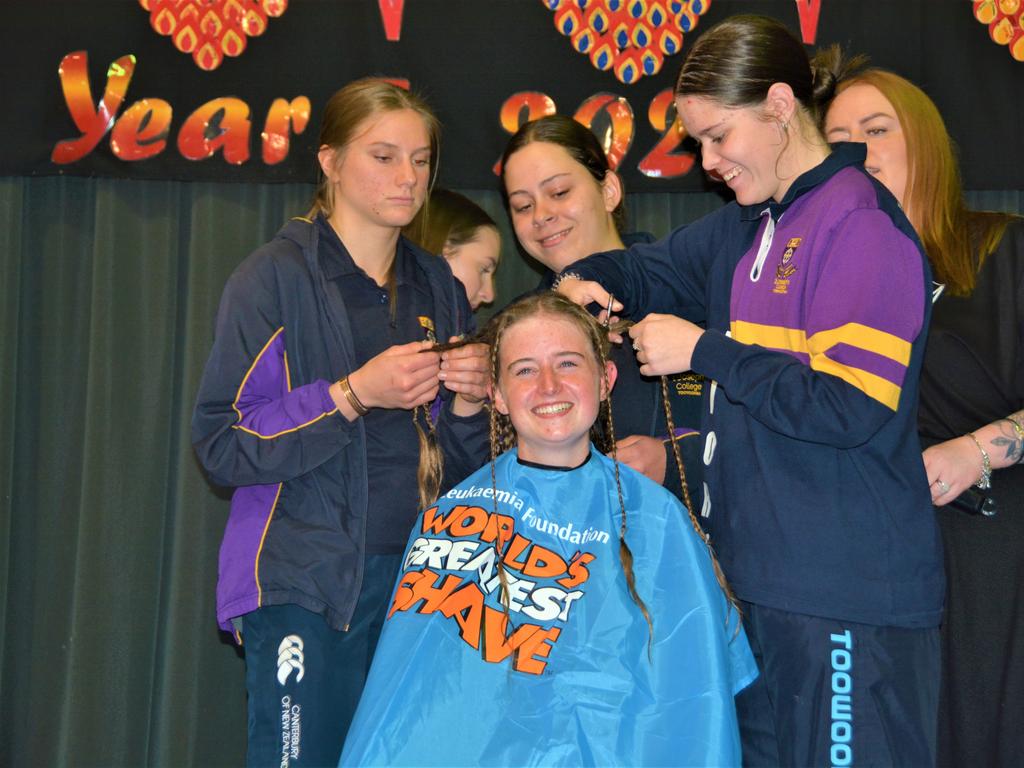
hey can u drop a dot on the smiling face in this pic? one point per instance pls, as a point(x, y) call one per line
point(738, 145)
point(861, 113)
point(381, 176)
point(474, 262)
point(560, 212)
point(550, 386)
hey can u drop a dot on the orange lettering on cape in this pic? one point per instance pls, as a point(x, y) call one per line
point(527, 641)
point(465, 520)
point(578, 571)
point(414, 587)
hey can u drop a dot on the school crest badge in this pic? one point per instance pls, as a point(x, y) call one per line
point(786, 268)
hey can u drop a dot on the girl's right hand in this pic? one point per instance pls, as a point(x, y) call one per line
point(584, 292)
point(402, 376)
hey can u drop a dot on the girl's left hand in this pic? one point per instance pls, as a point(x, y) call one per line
point(644, 454)
point(952, 468)
point(466, 372)
point(664, 344)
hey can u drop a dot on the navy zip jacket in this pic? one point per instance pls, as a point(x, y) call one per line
point(265, 424)
point(638, 407)
point(816, 311)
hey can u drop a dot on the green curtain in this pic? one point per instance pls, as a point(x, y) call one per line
point(109, 652)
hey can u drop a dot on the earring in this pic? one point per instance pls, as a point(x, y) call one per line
point(785, 125)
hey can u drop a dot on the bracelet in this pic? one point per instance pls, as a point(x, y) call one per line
point(562, 277)
point(1017, 427)
point(346, 390)
point(985, 481)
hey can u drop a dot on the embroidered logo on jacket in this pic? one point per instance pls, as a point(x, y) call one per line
point(688, 384)
point(428, 327)
point(786, 268)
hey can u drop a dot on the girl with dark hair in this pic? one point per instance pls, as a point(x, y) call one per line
point(453, 226)
point(971, 418)
point(566, 203)
point(554, 608)
point(322, 357)
point(815, 293)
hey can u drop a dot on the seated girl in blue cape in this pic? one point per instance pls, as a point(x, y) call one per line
point(555, 608)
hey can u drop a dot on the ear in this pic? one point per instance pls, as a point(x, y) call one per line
point(780, 103)
point(499, 401)
point(448, 252)
point(327, 157)
point(612, 373)
point(611, 189)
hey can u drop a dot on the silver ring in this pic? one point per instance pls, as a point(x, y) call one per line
point(943, 487)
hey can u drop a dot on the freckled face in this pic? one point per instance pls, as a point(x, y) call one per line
point(380, 177)
point(861, 113)
point(737, 146)
point(474, 264)
point(559, 211)
point(549, 385)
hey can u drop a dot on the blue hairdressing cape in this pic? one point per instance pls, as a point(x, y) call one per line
point(577, 678)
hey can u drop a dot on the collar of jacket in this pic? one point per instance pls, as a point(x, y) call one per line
point(843, 154)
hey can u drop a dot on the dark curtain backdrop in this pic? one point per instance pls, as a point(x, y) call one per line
point(108, 530)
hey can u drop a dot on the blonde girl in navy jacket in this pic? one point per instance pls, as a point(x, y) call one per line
point(321, 357)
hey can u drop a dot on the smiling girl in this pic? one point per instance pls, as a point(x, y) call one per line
point(816, 294)
point(565, 203)
point(554, 608)
point(321, 355)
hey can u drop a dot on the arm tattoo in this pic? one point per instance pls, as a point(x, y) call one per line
point(1012, 437)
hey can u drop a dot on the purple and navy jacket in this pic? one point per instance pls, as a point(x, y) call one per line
point(816, 310)
point(265, 424)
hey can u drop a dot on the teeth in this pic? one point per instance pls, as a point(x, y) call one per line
point(556, 408)
point(731, 174)
point(550, 238)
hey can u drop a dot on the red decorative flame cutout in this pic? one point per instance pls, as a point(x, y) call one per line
point(1005, 20)
point(632, 38)
point(391, 15)
point(209, 30)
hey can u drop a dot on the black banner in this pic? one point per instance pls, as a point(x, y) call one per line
point(231, 90)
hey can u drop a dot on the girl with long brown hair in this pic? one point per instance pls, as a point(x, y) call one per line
point(555, 607)
point(971, 417)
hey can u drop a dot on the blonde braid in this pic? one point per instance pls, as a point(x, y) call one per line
point(496, 448)
point(431, 462)
point(625, 554)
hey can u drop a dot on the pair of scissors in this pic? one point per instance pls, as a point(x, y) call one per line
point(608, 311)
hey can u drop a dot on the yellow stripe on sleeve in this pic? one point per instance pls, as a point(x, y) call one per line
point(771, 336)
point(876, 387)
point(862, 337)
